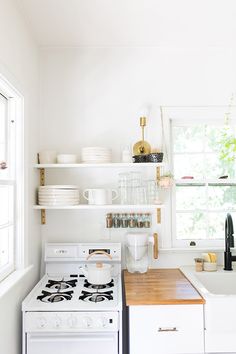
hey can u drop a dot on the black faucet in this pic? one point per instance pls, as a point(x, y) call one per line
point(229, 242)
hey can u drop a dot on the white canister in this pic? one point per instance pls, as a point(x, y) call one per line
point(48, 156)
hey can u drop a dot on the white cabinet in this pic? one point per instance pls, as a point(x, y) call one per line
point(166, 329)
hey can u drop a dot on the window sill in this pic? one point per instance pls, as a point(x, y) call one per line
point(192, 250)
point(13, 279)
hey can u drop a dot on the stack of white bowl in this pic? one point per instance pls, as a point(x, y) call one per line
point(58, 195)
point(96, 155)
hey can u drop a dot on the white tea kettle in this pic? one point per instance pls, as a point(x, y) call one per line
point(98, 273)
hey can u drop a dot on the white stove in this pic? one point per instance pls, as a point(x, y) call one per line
point(64, 313)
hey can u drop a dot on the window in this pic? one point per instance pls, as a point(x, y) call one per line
point(11, 180)
point(201, 197)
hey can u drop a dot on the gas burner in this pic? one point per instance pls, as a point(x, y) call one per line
point(98, 286)
point(61, 284)
point(97, 296)
point(55, 297)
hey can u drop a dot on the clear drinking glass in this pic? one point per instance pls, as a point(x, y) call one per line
point(152, 191)
point(124, 188)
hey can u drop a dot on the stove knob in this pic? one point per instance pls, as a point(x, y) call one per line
point(102, 322)
point(72, 321)
point(87, 321)
point(41, 322)
point(57, 322)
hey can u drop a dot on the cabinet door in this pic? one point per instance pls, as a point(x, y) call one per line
point(166, 329)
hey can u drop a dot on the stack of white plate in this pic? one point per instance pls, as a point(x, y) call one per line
point(96, 155)
point(58, 195)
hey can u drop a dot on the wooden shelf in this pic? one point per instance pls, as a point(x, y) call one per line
point(100, 165)
point(100, 207)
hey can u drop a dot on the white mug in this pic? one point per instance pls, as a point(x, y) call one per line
point(100, 196)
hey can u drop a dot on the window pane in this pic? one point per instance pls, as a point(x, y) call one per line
point(188, 139)
point(222, 197)
point(189, 165)
point(216, 224)
point(6, 204)
point(190, 197)
point(6, 246)
point(191, 225)
point(212, 137)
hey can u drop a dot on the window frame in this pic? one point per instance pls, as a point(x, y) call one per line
point(185, 244)
point(15, 114)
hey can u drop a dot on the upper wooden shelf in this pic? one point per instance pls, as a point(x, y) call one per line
point(99, 165)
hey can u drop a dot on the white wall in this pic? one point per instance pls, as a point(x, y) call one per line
point(93, 96)
point(19, 64)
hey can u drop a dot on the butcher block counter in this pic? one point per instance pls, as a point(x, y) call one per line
point(160, 287)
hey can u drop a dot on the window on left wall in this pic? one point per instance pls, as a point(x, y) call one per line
point(11, 182)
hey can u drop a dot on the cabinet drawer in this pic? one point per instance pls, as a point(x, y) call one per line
point(166, 329)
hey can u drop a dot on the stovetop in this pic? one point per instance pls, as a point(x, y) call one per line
point(73, 292)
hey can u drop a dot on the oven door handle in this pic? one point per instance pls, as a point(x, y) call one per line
point(72, 337)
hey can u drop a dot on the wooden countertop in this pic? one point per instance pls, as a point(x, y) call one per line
point(160, 287)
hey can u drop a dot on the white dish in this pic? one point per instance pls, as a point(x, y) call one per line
point(95, 153)
point(66, 158)
point(98, 160)
point(100, 152)
point(58, 203)
point(91, 162)
point(59, 194)
point(95, 158)
point(58, 191)
point(96, 148)
point(57, 187)
point(58, 199)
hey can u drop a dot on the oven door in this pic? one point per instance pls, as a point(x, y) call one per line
point(72, 343)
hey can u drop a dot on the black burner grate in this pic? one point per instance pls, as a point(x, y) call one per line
point(98, 286)
point(61, 284)
point(96, 296)
point(55, 297)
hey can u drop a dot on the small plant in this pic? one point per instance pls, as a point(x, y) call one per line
point(227, 141)
point(166, 180)
point(168, 174)
point(227, 144)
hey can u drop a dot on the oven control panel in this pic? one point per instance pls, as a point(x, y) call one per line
point(71, 321)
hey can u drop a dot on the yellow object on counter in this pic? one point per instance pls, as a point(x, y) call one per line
point(213, 257)
point(209, 257)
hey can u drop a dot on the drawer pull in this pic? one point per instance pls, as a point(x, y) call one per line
point(167, 329)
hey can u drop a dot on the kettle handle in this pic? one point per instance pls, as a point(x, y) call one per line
point(155, 246)
point(99, 252)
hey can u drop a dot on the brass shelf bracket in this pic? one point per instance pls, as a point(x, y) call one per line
point(42, 183)
point(158, 215)
point(42, 177)
point(43, 217)
point(158, 174)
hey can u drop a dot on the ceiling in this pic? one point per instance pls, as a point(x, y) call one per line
point(131, 22)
